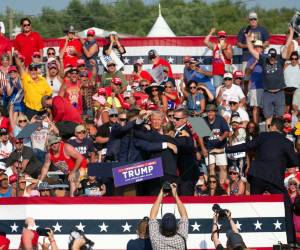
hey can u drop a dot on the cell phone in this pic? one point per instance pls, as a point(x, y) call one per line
point(247, 29)
point(43, 231)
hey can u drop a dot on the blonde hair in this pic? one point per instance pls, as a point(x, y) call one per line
point(22, 116)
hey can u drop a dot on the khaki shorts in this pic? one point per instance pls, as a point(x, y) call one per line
point(218, 159)
point(255, 97)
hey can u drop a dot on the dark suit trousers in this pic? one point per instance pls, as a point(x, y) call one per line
point(259, 186)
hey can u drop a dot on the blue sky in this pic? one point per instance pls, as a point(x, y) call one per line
point(33, 7)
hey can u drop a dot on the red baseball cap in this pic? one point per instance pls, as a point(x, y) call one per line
point(12, 68)
point(91, 32)
point(80, 62)
point(116, 80)
point(36, 53)
point(222, 33)
point(21, 57)
point(238, 73)
point(101, 91)
point(287, 116)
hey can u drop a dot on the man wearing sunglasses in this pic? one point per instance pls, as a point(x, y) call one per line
point(273, 78)
point(28, 41)
point(35, 87)
point(257, 33)
point(90, 49)
point(5, 188)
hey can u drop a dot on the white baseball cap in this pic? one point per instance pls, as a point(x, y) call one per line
point(227, 75)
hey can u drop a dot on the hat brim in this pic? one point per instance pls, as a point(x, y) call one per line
point(148, 89)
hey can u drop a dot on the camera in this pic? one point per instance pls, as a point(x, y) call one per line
point(166, 187)
point(43, 231)
point(78, 235)
point(220, 211)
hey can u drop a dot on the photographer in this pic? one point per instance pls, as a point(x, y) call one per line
point(170, 234)
point(234, 239)
point(52, 243)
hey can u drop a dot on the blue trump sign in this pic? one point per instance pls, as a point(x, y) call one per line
point(137, 172)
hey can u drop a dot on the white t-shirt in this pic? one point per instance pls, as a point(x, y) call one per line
point(55, 85)
point(233, 91)
point(296, 98)
point(5, 149)
point(292, 76)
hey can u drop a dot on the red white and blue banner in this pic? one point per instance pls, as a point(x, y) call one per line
point(111, 221)
point(173, 49)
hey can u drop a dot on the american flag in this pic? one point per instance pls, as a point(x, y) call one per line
point(172, 49)
point(111, 221)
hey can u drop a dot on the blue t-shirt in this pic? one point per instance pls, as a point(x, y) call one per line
point(194, 103)
point(139, 244)
point(218, 127)
point(259, 33)
point(256, 76)
point(198, 77)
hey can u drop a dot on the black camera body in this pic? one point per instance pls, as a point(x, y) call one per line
point(220, 211)
point(166, 187)
point(43, 231)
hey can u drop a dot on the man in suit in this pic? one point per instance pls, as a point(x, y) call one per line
point(186, 159)
point(153, 142)
point(273, 154)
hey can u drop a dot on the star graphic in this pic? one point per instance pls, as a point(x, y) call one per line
point(171, 60)
point(200, 60)
point(141, 59)
point(34, 227)
point(196, 226)
point(238, 225)
point(257, 225)
point(126, 227)
point(103, 227)
point(14, 227)
point(57, 227)
point(126, 60)
point(277, 225)
point(80, 227)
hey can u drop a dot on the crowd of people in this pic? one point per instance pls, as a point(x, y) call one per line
point(59, 113)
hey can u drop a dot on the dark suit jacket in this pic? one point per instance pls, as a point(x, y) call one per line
point(150, 141)
point(186, 160)
point(273, 154)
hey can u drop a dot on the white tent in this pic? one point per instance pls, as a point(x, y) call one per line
point(160, 27)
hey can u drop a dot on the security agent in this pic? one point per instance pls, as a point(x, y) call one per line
point(169, 234)
point(234, 239)
point(273, 154)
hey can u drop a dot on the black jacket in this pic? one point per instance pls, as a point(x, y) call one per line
point(186, 160)
point(273, 154)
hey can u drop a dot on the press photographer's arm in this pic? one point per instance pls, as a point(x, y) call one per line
point(215, 229)
point(180, 206)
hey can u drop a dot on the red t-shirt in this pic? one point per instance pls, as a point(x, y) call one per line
point(73, 95)
point(5, 45)
point(164, 63)
point(4, 123)
point(62, 110)
point(146, 76)
point(4, 242)
point(27, 44)
point(68, 57)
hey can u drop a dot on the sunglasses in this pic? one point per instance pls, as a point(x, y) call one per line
point(233, 173)
point(26, 25)
point(212, 182)
point(144, 85)
point(238, 78)
point(36, 56)
point(251, 19)
point(221, 36)
point(89, 35)
point(294, 59)
point(81, 132)
point(111, 65)
point(154, 90)
point(22, 121)
point(123, 119)
point(18, 142)
point(177, 118)
point(293, 183)
point(113, 116)
point(227, 79)
point(193, 87)
point(54, 143)
point(51, 54)
point(232, 103)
